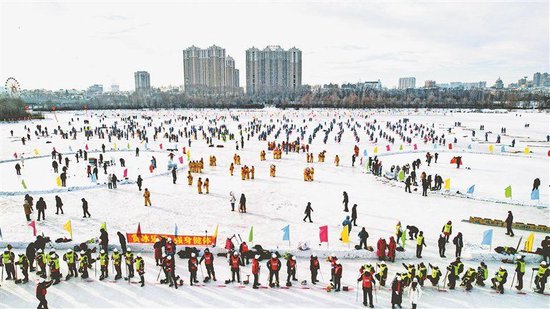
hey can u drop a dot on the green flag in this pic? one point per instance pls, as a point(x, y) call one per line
point(403, 238)
point(24, 184)
point(508, 192)
point(251, 234)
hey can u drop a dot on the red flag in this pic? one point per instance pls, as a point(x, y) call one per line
point(323, 233)
point(387, 147)
point(15, 155)
point(151, 168)
point(33, 225)
point(125, 172)
point(86, 147)
point(139, 229)
point(181, 160)
point(450, 146)
point(160, 145)
point(415, 147)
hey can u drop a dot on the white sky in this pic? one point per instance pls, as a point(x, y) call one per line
point(74, 44)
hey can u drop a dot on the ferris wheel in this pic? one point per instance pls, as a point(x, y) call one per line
point(12, 87)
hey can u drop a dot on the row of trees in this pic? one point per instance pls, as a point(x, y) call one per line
point(13, 109)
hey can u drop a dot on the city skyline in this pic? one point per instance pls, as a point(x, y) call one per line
point(368, 40)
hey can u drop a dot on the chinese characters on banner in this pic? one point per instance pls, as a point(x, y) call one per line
point(205, 240)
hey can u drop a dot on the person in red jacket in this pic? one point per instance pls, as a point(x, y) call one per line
point(170, 248)
point(235, 263)
point(337, 277)
point(193, 266)
point(274, 265)
point(381, 249)
point(392, 246)
point(333, 261)
point(41, 291)
point(170, 271)
point(208, 259)
point(291, 270)
point(256, 271)
point(368, 285)
point(314, 268)
point(158, 251)
point(243, 249)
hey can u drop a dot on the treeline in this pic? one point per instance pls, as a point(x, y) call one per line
point(14, 109)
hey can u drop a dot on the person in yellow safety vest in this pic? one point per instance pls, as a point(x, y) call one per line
point(55, 273)
point(447, 230)
point(41, 261)
point(542, 276)
point(8, 260)
point(520, 271)
point(23, 263)
point(382, 274)
point(130, 263)
point(140, 268)
point(454, 269)
point(398, 230)
point(117, 260)
point(468, 278)
point(411, 272)
point(419, 244)
point(421, 273)
point(435, 275)
point(83, 264)
point(482, 274)
point(103, 264)
point(499, 280)
point(70, 258)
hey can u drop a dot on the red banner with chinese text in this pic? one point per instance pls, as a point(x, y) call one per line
point(184, 240)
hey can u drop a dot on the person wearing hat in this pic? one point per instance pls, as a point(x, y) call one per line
point(169, 267)
point(235, 263)
point(368, 284)
point(117, 261)
point(41, 260)
point(499, 280)
point(158, 251)
point(104, 264)
point(140, 268)
point(23, 263)
point(468, 278)
point(542, 276)
point(55, 271)
point(193, 266)
point(208, 259)
point(397, 291)
point(256, 271)
point(129, 257)
point(509, 221)
point(83, 264)
point(41, 291)
point(482, 274)
point(314, 268)
point(170, 247)
point(85, 208)
point(291, 270)
point(274, 265)
point(382, 273)
point(70, 258)
point(8, 260)
point(415, 292)
point(435, 275)
point(455, 269)
point(520, 271)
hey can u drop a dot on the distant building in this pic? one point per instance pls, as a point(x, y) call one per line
point(273, 70)
point(115, 88)
point(499, 84)
point(429, 84)
point(142, 82)
point(537, 77)
point(407, 82)
point(209, 71)
point(95, 89)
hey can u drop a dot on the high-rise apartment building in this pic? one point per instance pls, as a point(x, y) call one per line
point(407, 82)
point(209, 71)
point(142, 82)
point(273, 70)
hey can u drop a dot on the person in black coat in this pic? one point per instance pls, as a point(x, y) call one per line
point(104, 240)
point(345, 201)
point(58, 205)
point(354, 214)
point(536, 184)
point(363, 236)
point(314, 268)
point(413, 232)
point(441, 242)
point(122, 240)
point(85, 208)
point(458, 242)
point(139, 182)
point(308, 212)
point(174, 175)
point(509, 221)
point(30, 252)
point(41, 207)
point(408, 184)
point(397, 291)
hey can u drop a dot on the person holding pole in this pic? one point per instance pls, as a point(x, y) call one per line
point(368, 283)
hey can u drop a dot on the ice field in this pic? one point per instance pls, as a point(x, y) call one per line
point(274, 202)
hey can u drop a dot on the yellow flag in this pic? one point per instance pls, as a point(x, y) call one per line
point(216, 231)
point(68, 228)
point(128, 146)
point(526, 151)
point(58, 181)
point(345, 234)
point(491, 148)
point(114, 146)
point(529, 242)
point(375, 150)
point(447, 184)
point(35, 151)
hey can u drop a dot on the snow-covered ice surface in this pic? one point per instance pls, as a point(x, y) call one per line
point(272, 203)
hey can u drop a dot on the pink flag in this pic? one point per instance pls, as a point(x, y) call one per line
point(323, 233)
point(415, 147)
point(33, 225)
point(86, 147)
point(450, 146)
point(387, 147)
point(125, 172)
point(181, 160)
point(160, 145)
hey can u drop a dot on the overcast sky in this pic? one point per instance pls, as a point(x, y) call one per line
point(75, 44)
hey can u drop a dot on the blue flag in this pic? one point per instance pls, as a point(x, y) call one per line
point(365, 153)
point(286, 231)
point(535, 194)
point(471, 189)
point(470, 146)
point(487, 237)
point(502, 148)
point(175, 229)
